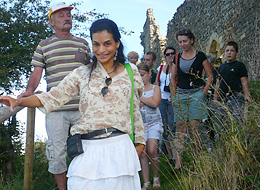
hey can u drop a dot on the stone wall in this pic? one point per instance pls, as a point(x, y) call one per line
point(151, 39)
point(215, 22)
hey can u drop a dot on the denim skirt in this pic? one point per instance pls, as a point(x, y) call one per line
point(189, 106)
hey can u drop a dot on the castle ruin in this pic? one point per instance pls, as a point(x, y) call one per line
point(151, 39)
point(214, 23)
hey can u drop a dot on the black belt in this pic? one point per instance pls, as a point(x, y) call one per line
point(89, 136)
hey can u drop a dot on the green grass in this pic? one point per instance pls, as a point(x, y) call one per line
point(233, 163)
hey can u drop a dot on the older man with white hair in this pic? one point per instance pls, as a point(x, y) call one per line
point(58, 55)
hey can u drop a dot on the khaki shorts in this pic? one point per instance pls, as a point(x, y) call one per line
point(57, 128)
point(189, 106)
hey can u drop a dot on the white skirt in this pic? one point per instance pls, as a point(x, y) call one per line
point(107, 164)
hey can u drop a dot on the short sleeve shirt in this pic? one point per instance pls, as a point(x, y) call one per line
point(59, 56)
point(230, 76)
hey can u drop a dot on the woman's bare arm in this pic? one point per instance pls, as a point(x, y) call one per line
point(153, 101)
point(31, 101)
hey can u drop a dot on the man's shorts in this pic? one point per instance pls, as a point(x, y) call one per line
point(57, 128)
point(189, 106)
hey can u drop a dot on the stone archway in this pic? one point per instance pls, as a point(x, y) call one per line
point(215, 46)
point(214, 50)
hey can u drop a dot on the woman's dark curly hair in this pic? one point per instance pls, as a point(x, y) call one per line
point(111, 27)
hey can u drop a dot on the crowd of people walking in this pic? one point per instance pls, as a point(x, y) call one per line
point(122, 116)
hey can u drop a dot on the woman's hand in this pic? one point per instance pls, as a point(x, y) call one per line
point(204, 91)
point(139, 149)
point(248, 99)
point(141, 104)
point(8, 101)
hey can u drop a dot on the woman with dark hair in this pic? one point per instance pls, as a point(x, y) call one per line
point(166, 109)
point(109, 160)
point(189, 90)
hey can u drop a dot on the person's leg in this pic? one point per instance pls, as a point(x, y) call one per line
point(173, 150)
point(57, 127)
point(168, 147)
point(198, 112)
point(211, 112)
point(208, 123)
point(179, 142)
point(170, 121)
point(170, 118)
point(180, 104)
point(235, 104)
point(145, 167)
point(165, 142)
point(152, 150)
point(194, 134)
point(61, 180)
point(72, 118)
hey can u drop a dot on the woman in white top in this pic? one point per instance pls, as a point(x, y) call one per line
point(152, 119)
point(166, 108)
point(110, 160)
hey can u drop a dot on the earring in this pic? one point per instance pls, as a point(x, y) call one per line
point(115, 57)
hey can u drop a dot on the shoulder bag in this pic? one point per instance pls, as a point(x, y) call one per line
point(131, 76)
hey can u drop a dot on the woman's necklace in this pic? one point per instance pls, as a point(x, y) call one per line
point(112, 71)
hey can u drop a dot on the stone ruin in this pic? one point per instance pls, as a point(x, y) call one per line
point(214, 23)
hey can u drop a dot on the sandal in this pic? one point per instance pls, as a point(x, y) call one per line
point(146, 185)
point(156, 182)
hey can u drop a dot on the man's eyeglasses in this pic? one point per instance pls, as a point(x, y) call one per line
point(133, 58)
point(168, 54)
point(104, 90)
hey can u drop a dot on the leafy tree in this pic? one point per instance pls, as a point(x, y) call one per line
point(23, 24)
point(10, 148)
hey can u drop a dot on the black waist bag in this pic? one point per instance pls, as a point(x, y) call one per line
point(74, 145)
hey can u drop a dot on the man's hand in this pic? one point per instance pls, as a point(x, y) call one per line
point(25, 94)
point(139, 149)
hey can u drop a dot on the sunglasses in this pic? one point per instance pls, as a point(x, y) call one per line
point(104, 90)
point(168, 54)
point(182, 32)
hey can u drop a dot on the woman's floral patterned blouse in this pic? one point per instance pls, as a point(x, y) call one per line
point(98, 111)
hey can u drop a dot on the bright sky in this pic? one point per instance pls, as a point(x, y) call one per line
point(130, 14)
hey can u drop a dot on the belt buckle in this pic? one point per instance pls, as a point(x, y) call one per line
point(107, 133)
